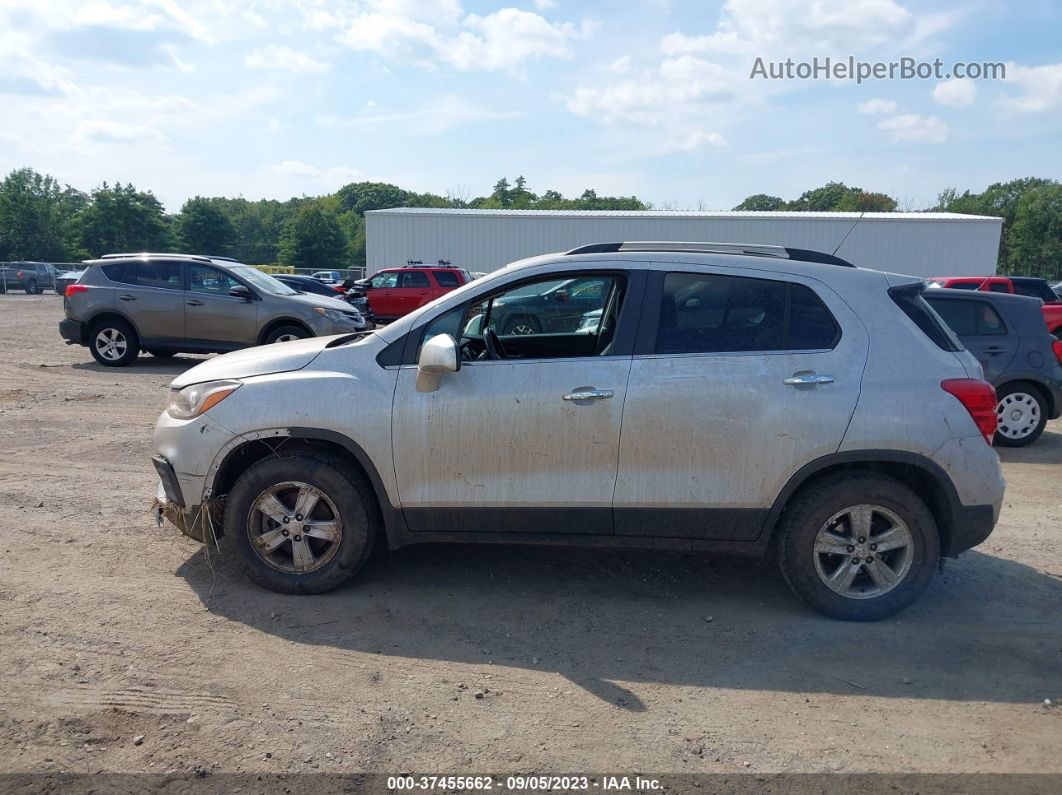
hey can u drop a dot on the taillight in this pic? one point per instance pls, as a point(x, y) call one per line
point(21, 276)
point(74, 289)
point(979, 398)
point(1057, 345)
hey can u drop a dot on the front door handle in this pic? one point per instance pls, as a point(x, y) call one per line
point(994, 349)
point(588, 394)
point(807, 379)
point(194, 303)
point(127, 298)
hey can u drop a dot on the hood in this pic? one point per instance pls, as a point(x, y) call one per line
point(280, 357)
point(323, 301)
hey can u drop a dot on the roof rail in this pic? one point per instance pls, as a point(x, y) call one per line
point(128, 254)
point(747, 249)
point(219, 257)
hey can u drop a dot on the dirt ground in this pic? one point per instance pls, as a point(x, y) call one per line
point(126, 647)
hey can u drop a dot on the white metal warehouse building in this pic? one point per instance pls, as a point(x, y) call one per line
point(919, 244)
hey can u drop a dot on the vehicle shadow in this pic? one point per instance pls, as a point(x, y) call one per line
point(1045, 450)
point(145, 364)
point(605, 617)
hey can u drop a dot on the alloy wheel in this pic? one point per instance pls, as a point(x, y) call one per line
point(111, 344)
point(294, 527)
point(863, 551)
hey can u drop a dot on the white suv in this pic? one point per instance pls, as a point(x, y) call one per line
point(744, 399)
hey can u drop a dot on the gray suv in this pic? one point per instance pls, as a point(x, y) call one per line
point(764, 396)
point(170, 303)
point(1021, 359)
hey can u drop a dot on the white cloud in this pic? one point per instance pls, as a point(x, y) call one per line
point(332, 176)
point(447, 113)
point(697, 139)
point(543, 5)
point(109, 132)
point(1041, 87)
point(876, 105)
point(439, 34)
point(283, 59)
point(913, 128)
point(955, 93)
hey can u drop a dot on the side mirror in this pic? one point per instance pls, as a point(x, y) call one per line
point(239, 291)
point(438, 356)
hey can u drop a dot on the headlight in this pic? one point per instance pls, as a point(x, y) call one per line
point(190, 402)
point(338, 315)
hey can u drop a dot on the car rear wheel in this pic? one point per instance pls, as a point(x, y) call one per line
point(1022, 415)
point(31, 287)
point(858, 547)
point(114, 343)
point(521, 325)
point(162, 354)
point(286, 334)
point(300, 524)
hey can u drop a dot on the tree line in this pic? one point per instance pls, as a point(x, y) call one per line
point(41, 219)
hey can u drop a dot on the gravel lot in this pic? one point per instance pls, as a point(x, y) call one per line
point(126, 647)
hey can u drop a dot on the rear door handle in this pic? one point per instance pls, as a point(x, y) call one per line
point(588, 394)
point(994, 349)
point(807, 379)
point(194, 303)
point(127, 298)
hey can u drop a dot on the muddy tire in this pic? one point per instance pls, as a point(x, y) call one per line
point(288, 551)
point(858, 547)
point(113, 343)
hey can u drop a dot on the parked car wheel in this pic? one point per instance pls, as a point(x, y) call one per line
point(162, 354)
point(31, 287)
point(301, 523)
point(286, 334)
point(1022, 413)
point(521, 324)
point(858, 547)
point(114, 343)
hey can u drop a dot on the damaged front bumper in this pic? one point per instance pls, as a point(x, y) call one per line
point(194, 521)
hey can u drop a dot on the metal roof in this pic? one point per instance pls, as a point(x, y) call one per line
point(725, 214)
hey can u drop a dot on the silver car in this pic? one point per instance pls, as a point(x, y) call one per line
point(743, 399)
point(170, 303)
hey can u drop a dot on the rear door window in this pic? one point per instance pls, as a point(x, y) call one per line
point(997, 287)
point(156, 273)
point(414, 279)
point(969, 318)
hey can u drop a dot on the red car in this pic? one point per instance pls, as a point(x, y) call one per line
point(1019, 285)
point(394, 292)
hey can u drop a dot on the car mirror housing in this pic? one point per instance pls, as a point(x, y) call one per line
point(438, 356)
point(240, 291)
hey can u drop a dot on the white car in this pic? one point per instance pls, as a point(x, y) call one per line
point(328, 277)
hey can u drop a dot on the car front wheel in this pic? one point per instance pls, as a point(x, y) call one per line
point(858, 547)
point(286, 334)
point(301, 523)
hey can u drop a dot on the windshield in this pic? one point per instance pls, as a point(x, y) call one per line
point(263, 281)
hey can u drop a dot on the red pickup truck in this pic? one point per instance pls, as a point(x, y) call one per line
point(394, 292)
point(1020, 285)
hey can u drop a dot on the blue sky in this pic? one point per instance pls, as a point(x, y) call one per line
point(274, 98)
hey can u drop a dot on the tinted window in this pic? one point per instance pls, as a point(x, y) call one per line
point(701, 313)
point(115, 272)
point(969, 318)
point(153, 274)
point(1035, 289)
point(446, 279)
point(204, 279)
point(909, 299)
point(998, 288)
point(811, 326)
point(413, 279)
point(964, 286)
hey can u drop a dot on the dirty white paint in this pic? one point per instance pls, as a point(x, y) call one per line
point(917, 244)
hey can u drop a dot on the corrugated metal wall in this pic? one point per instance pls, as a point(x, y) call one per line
point(918, 244)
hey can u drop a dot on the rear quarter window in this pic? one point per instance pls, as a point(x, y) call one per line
point(909, 299)
point(446, 278)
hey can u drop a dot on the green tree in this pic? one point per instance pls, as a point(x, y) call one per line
point(363, 196)
point(824, 199)
point(204, 228)
point(863, 202)
point(123, 219)
point(1036, 235)
point(314, 238)
point(37, 217)
point(762, 202)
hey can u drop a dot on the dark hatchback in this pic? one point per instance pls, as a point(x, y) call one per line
point(1009, 337)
